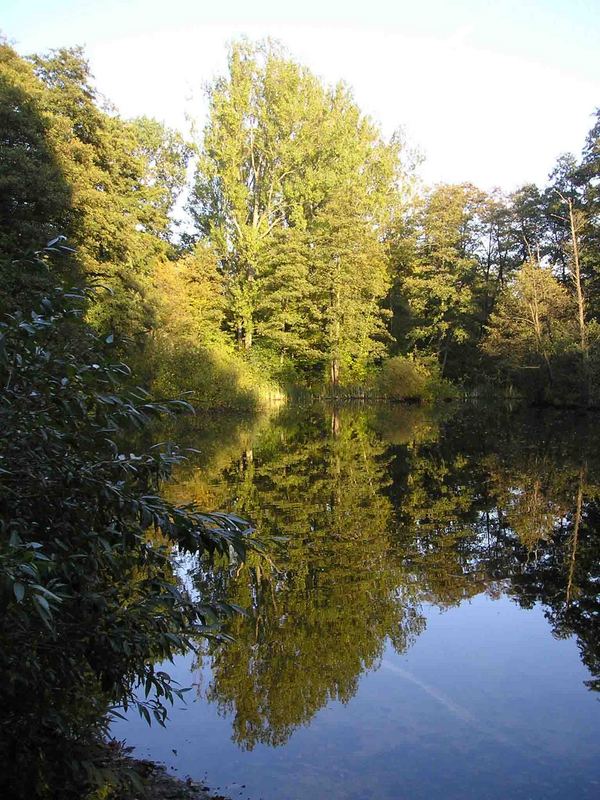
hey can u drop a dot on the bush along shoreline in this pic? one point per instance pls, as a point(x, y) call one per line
point(88, 599)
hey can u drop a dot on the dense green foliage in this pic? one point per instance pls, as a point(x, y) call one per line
point(311, 253)
point(88, 599)
point(68, 167)
point(413, 379)
point(294, 188)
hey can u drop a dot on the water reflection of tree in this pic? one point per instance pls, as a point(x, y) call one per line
point(565, 577)
point(318, 623)
point(382, 514)
point(522, 519)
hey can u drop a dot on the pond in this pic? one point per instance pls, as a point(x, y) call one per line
point(429, 627)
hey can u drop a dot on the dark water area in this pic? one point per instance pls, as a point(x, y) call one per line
point(430, 627)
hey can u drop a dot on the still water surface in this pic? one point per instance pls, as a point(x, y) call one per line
point(431, 627)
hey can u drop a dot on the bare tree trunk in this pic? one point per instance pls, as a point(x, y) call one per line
point(575, 537)
point(577, 280)
point(445, 359)
point(576, 276)
point(580, 304)
point(334, 372)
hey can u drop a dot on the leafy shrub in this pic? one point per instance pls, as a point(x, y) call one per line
point(212, 375)
point(188, 350)
point(407, 379)
point(88, 602)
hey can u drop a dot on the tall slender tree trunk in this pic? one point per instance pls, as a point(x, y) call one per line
point(583, 341)
point(575, 537)
point(334, 367)
point(444, 360)
point(576, 276)
point(443, 348)
point(534, 310)
point(577, 280)
point(334, 372)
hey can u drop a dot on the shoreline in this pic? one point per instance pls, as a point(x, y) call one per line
point(151, 780)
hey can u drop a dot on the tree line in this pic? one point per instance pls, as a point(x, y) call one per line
point(311, 256)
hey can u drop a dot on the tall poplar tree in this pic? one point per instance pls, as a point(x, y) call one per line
point(295, 189)
point(250, 149)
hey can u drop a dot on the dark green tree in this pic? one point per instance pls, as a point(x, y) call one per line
point(87, 596)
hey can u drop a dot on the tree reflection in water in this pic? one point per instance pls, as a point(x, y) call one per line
point(384, 510)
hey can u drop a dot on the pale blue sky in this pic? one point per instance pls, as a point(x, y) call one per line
point(491, 91)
